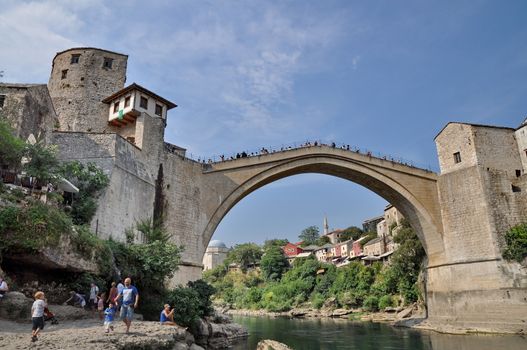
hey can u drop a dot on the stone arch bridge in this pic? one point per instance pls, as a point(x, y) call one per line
point(412, 190)
point(451, 213)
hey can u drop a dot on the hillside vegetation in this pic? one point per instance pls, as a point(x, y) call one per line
point(310, 283)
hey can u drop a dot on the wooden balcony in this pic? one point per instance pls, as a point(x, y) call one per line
point(124, 118)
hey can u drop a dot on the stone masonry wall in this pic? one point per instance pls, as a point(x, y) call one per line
point(497, 148)
point(29, 110)
point(455, 137)
point(185, 220)
point(130, 194)
point(466, 216)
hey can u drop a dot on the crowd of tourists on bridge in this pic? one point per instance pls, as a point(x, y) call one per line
point(265, 151)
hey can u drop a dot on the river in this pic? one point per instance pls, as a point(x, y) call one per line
point(334, 334)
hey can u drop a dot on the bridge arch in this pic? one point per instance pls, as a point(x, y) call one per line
point(412, 192)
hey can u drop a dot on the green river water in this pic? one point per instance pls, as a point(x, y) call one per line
point(314, 334)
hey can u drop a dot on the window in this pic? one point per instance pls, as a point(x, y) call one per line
point(2, 100)
point(518, 173)
point(116, 107)
point(143, 102)
point(107, 63)
point(159, 110)
point(64, 74)
point(126, 101)
point(457, 157)
point(75, 58)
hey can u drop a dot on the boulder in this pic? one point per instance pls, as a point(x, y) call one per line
point(69, 313)
point(217, 335)
point(341, 312)
point(15, 306)
point(61, 258)
point(406, 312)
point(269, 344)
point(298, 313)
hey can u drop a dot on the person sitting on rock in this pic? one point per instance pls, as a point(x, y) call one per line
point(167, 316)
point(3, 287)
point(76, 300)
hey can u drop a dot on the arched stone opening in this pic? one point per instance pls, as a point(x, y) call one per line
point(426, 224)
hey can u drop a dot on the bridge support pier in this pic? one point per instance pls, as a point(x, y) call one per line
point(481, 295)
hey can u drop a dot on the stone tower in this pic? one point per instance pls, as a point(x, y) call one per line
point(80, 79)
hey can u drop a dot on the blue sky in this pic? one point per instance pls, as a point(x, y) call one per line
point(381, 75)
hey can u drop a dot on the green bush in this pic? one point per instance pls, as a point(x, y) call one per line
point(317, 301)
point(90, 181)
point(185, 302)
point(32, 227)
point(205, 292)
point(516, 243)
point(371, 303)
point(385, 301)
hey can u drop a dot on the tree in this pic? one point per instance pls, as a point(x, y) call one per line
point(11, 147)
point(90, 180)
point(42, 162)
point(516, 247)
point(406, 262)
point(277, 242)
point(245, 254)
point(309, 235)
point(323, 240)
point(352, 232)
point(273, 264)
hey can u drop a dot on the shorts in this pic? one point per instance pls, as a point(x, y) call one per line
point(108, 324)
point(127, 312)
point(38, 322)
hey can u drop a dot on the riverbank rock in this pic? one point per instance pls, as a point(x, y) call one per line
point(217, 335)
point(341, 312)
point(406, 312)
point(15, 306)
point(271, 345)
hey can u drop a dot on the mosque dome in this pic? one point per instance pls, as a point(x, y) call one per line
point(217, 244)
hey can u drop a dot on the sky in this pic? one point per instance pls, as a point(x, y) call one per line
point(385, 76)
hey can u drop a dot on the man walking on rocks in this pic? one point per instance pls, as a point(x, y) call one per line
point(129, 302)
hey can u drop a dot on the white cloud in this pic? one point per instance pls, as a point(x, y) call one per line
point(36, 31)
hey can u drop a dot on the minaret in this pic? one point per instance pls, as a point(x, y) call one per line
point(326, 228)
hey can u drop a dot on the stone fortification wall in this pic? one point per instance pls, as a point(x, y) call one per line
point(486, 146)
point(466, 216)
point(130, 195)
point(481, 198)
point(455, 137)
point(185, 218)
point(77, 89)
point(497, 148)
point(29, 110)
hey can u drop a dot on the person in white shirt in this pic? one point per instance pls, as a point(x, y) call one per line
point(3, 287)
point(94, 291)
point(37, 315)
